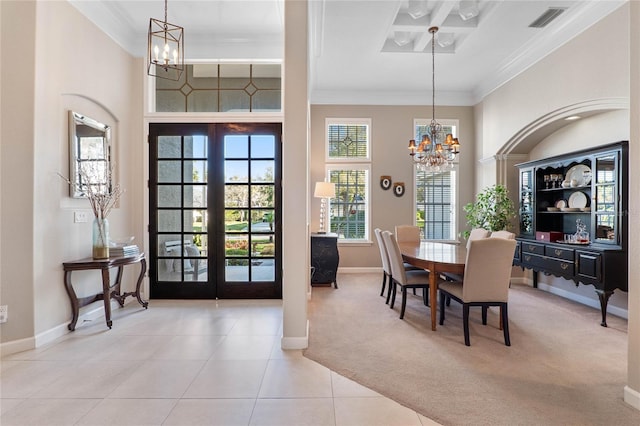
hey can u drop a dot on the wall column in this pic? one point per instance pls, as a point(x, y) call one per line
point(632, 390)
point(295, 148)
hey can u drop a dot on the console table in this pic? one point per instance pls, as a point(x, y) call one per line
point(324, 259)
point(108, 291)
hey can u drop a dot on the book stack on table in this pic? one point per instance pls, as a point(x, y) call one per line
point(124, 250)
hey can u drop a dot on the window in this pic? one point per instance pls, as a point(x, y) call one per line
point(349, 166)
point(436, 193)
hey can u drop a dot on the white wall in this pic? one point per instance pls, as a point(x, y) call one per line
point(591, 67)
point(76, 67)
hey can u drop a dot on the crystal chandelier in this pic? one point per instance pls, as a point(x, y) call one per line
point(165, 49)
point(436, 151)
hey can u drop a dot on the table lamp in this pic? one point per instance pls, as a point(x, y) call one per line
point(324, 190)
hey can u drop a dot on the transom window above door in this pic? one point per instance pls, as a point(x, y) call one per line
point(222, 88)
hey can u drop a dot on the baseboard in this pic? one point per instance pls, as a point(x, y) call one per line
point(55, 332)
point(632, 397)
point(290, 343)
point(15, 346)
point(613, 310)
point(356, 270)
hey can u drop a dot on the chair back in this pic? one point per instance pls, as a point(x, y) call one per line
point(477, 234)
point(407, 234)
point(395, 257)
point(503, 234)
point(488, 270)
point(386, 266)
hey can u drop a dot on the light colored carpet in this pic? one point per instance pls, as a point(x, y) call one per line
point(563, 368)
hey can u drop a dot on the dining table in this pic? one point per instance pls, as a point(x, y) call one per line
point(437, 258)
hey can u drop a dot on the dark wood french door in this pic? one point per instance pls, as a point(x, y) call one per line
point(214, 203)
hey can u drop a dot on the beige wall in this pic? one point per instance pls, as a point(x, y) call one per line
point(391, 130)
point(17, 167)
point(74, 66)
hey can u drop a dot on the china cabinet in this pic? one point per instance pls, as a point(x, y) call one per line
point(573, 216)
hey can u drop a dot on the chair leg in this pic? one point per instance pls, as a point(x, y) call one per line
point(391, 284)
point(465, 323)
point(425, 296)
point(393, 296)
point(384, 282)
point(500, 317)
point(448, 301)
point(442, 297)
point(484, 314)
point(404, 303)
point(505, 323)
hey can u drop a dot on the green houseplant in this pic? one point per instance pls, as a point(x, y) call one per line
point(493, 210)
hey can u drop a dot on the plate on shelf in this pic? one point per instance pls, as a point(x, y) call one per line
point(561, 203)
point(570, 209)
point(578, 200)
point(585, 209)
point(553, 209)
point(578, 173)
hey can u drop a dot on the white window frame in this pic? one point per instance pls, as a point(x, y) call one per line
point(346, 122)
point(351, 163)
point(455, 181)
point(367, 194)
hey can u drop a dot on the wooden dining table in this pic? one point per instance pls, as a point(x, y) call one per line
point(437, 258)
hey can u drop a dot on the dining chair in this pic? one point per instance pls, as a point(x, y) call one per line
point(386, 266)
point(402, 278)
point(407, 234)
point(503, 234)
point(485, 283)
point(475, 234)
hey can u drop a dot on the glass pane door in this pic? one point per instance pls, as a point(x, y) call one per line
point(251, 195)
point(214, 211)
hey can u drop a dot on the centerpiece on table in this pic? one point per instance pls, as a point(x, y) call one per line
point(102, 196)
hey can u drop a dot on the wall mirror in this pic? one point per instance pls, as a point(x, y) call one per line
point(90, 152)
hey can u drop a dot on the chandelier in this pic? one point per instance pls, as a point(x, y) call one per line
point(165, 49)
point(436, 151)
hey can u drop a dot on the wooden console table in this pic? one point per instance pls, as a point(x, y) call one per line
point(108, 291)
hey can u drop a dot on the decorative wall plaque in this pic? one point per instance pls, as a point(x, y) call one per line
point(385, 182)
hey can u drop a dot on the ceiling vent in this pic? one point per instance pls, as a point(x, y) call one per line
point(548, 16)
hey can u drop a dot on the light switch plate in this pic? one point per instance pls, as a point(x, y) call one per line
point(79, 217)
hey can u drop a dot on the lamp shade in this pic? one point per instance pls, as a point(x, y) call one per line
point(325, 190)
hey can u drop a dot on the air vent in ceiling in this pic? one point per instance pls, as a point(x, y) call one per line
point(548, 16)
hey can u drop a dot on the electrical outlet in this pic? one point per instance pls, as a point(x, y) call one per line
point(79, 217)
point(4, 313)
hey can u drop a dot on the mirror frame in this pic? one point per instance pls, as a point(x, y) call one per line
point(102, 135)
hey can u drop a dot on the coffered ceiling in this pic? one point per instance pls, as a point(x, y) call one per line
point(368, 51)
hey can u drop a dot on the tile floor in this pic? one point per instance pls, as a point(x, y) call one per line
point(185, 363)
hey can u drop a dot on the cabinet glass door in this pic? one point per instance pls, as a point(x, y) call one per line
point(606, 194)
point(526, 202)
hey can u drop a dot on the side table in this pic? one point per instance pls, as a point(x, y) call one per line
point(108, 291)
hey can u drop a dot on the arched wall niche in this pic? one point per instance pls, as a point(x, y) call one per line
point(523, 141)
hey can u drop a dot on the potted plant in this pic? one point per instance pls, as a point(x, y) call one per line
point(493, 210)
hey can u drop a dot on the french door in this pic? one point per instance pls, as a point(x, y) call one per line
point(214, 195)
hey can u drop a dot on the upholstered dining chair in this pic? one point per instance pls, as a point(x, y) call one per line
point(386, 266)
point(407, 234)
point(485, 283)
point(503, 234)
point(475, 234)
point(402, 278)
